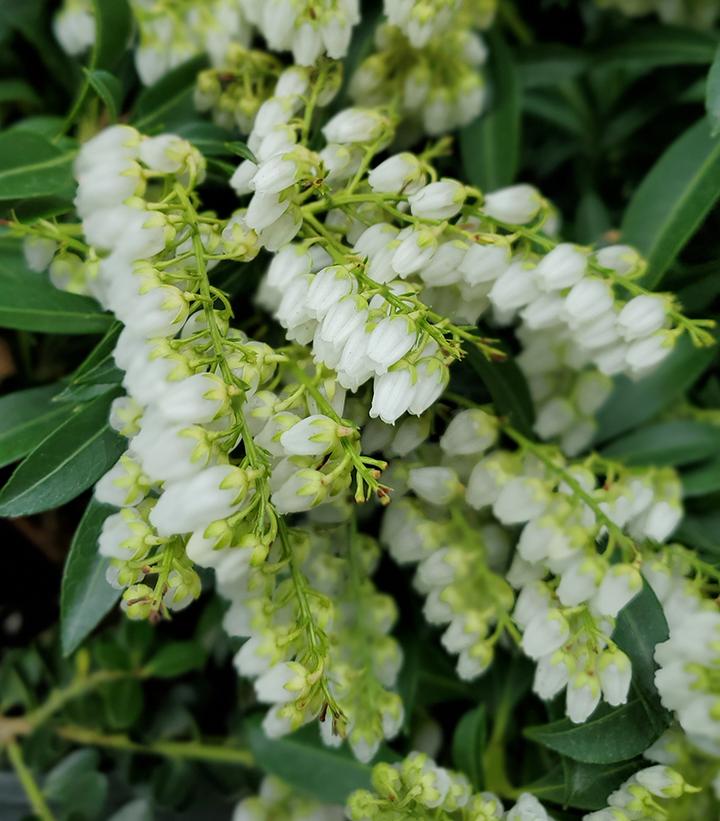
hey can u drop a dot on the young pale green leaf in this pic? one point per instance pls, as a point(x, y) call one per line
point(158, 103)
point(673, 200)
point(632, 403)
point(679, 442)
point(507, 387)
point(85, 595)
point(468, 746)
point(583, 786)
point(32, 303)
point(31, 166)
point(654, 46)
point(26, 418)
point(304, 762)
point(175, 659)
point(712, 94)
point(702, 480)
point(108, 89)
point(490, 145)
point(71, 459)
point(113, 27)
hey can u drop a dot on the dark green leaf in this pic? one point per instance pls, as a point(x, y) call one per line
point(584, 786)
point(592, 219)
point(633, 403)
point(656, 45)
point(26, 418)
point(159, 101)
point(490, 145)
point(673, 200)
point(76, 785)
point(108, 89)
point(304, 762)
point(701, 531)
point(550, 65)
point(17, 91)
point(71, 459)
point(175, 659)
point(701, 480)
point(113, 26)
point(85, 595)
point(679, 442)
point(468, 746)
point(101, 379)
point(123, 702)
point(507, 387)
point(31, 166)
point(712, 94)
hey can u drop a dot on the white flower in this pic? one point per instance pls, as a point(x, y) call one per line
point(265, 209)
point(444, 267)
point(38, 252)
point(401, 172)
point(197, 398)
point(431, 378)
point(582, 696)
point(389, 341)
point(546, 633)
point(587, 299)
point(642, 316)
point(392, 394)
point(470, 431)
point(486, 481)
point(355, 125)
point(414, 252)
point(563, 267)
point(619, 258)
point(645, 354)
point(554, 417)
point(661, 781)
point(543, 312)
point(520, 499)
point(517, 204)
point(528, 808)
point(621, 583)
point(551, 675)
point(439, 200)
point(275, 175)
point(327, 288)
point(579, 582)
point(311, 436)
point(437, 485)
point(282, 683)
point(514, 288)
point(302, 491)
point(615, 674)
point(188, 505)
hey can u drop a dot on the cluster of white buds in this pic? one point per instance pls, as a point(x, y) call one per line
point(700, 14)
point(307, 28)
point(170, 32)
point(644, 796)
point(438, 86)
point(426, 21)
point(236, 86)
point(418, 789)
point(277, 801)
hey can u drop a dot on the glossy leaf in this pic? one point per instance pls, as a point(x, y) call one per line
point(490, 145)
point(702, 479)
point(673, 200)
point(108, 89)
point(679, 442)
point(701, 531)
point(468, 746)
point(633, 403)
point(655, 45)
point(157, 103)
point(113, 27)
point(712, 94)
point(583, 786)
point(26, 418)
point(70, 460)
point(549, 65)
point(175, 659)
point(17, 91)
point(31, 166)
point(303, 761)
point(85, 595)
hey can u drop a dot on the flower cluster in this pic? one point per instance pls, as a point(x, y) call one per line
point(307, 28)
point(423, 22)
point(170, 32)
point(417, 788)
point(644, 796)
point(700, 14)
point(277, 801)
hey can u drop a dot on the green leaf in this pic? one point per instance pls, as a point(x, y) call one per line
point(490, 145)
point(613, 734)
point(138, 810)
point(507, 387)
point(157, 103)
point(85, 595)
point(632, 403)
point(679, 442)
point(702, 480)
point(17, 91)
point(712, 94)
point(113, 27)
point(468, 746)
point(549, 65)
point(76, 785)
point(71, 459)
point(583, 786)
point(32, 303)
point(108, 89)
point(123, 702)
point(592, 218)
point(101, 379)
point(31, 166)
point(673, 200)
point(304, 762)
point(655, 45)
point(701, 531)
point(26, 418)
point(175, 659)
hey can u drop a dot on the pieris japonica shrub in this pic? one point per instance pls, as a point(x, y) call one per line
point(377, 341)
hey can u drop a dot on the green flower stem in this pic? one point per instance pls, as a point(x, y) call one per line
point(32, 790)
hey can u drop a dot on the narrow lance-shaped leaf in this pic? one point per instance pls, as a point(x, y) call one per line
point(31, 166)
point(85, 595)
point(26, 418)
point(712, 94)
